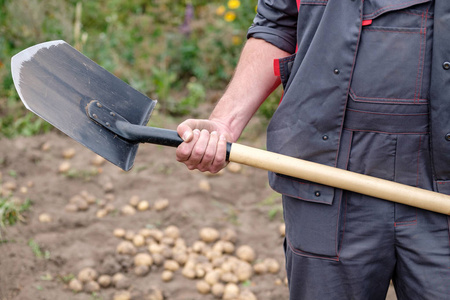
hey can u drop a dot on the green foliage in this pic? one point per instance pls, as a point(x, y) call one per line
point(173, 51)
point(37, 251)
point(10, 212)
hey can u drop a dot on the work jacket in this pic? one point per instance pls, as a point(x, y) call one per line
point(380, 51)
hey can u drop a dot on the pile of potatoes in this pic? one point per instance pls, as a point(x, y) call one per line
point(83, 200)
point(217, 264)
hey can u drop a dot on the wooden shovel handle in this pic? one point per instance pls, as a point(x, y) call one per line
point(343, 179)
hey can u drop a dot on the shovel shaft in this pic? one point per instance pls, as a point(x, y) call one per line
point(343, 179)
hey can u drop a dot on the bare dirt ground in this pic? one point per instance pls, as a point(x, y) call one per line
point(39, 256)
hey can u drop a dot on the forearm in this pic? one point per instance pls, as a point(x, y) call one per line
point(251, 84)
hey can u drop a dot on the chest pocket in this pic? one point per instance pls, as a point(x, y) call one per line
point(394, 55)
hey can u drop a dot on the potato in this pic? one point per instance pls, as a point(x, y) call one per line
point(126, 248)
point(272, 265)
point(231, 291)
point(75, 285)
point(87, 274)
point(167, 275)
point(155, 248)
point(203, 287)
point(71, 207)
point(143, 205)
point(158, 259)
point(161, 204)
point(228, 247)
point(282, 229)
point(46, 146)
point(172, 232)
point(212, 277)
point(218, 289)
point(166, 251)
point(45, 218)
point(243, 271)
point(167, 241)
point(247, 295)
point(204, 185)
point(119, 232)
point(229, 235)
point(234, 167)
point(122, 295)
point(123, 284)
point(98, 161)
point(101, 213)
point(157, 234)
point(138, 240)
point(134, 200)
point(143, 259)
point(64, 167)
point(68, 153)
point(128, 210)
point(209, 235)
point(188, 272)
point(141, 270)
point(104, 281)
point(145, 232)
point(260, 268)
point(155, 294)
point(229, 277)
point(91, 287)
point(129, 235)
point(108, 187)
point(246, 253)
point(171, 265)
point(180, 257)
point(116, 277)
point(198, 246)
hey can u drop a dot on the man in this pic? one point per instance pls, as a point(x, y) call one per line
point(365, 90)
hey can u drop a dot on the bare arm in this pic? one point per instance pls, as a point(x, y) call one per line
point(205, 140)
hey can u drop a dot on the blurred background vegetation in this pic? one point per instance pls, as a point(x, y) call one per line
point(180, 52)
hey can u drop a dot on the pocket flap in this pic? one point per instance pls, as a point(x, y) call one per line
point(375, 8)
point(301, 189)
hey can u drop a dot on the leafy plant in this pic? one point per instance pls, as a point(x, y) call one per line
point(11, 213)
point(37, 251)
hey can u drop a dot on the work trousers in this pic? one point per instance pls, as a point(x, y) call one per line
point(375, 241)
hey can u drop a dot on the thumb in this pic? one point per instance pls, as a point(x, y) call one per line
point(185, 132)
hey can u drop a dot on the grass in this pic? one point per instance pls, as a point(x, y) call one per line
point(37, 251)
point(11, 213)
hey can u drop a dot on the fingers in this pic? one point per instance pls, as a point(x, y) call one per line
point(203, 151)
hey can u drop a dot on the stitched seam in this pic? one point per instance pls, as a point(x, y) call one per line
point(424, 37)
point(385, 8)
point(393, 30)
point(418, 160)
point(350, 83)
point(407, 223)
point(340, 201)
point(319, 2)
point(419, 64)
point(386, 114)
point(385, 132)
point(384, 99)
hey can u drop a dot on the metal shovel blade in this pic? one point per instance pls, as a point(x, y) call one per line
point(56, 82)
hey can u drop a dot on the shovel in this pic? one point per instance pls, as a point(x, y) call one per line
point(103, 113)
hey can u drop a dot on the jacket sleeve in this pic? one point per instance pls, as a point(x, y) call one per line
point(276, 23)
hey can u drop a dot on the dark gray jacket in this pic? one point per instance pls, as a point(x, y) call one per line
point(370, 50)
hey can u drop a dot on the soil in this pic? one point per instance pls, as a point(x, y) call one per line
point(38, 259)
